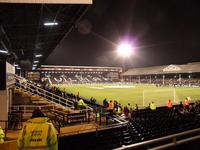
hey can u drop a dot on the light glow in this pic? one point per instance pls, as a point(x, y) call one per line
point(38, 55)
point(125, 50)
point(50, 24)
point(3, 51)
point(36, 61)
point(34, 65)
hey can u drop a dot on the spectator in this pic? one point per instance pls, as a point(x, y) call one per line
point(126, 111)
point(115, 105)
point(153, 106)
point(38, 133)
point(169, 104)
point(81, 104)
point(111, 105)
point(129, 108)
point(2, 135)
point(136, 107)
point(181, 105)
point(105, 103)
point(119, 109)
point(186, 103)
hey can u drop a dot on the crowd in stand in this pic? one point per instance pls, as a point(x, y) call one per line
point(167, 81)
point(78, 78)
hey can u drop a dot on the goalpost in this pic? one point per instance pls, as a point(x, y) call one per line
point(159, 96)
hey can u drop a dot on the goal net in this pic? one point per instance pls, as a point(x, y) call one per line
point(159, 96)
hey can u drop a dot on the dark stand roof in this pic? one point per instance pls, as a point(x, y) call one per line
point(23, 34)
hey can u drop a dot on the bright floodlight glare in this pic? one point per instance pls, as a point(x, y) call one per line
point(16, 65)
point(18, 68)
point(50, 23)
point(3, 51)
point(34, 65)
point(33, 68)
point(125, 49)
point(38, 55)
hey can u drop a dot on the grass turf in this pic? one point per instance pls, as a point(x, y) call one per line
point(133, 95)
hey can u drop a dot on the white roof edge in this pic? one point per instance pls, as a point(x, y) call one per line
point(53, 66)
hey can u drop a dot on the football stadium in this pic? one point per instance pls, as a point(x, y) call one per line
point(62, 88)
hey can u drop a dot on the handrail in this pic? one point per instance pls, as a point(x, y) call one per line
point(50, 98)
point(44, 93)
point(173, 143)
point(55, 98)
point(47, 91)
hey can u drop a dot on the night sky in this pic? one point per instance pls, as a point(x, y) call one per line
point(164, 32)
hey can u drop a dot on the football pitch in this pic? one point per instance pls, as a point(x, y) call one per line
point(133, 93)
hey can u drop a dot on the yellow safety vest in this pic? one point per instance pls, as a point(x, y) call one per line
point(38, 134)
point(119, 110)
point(2, 135)
point(98, 115)
point(153, 106)
point(81, 103)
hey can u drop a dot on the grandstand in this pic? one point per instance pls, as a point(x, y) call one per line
point(79, 74)
point(186, 74)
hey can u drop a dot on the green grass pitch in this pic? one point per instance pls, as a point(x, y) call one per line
point(133, 93)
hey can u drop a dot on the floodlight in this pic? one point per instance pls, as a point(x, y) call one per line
point(33, 68)
point(3, 51)
point(38, 55)
point(16, 65)
point(125, 50)
point(34, 65)
point(50, 24)
point(18, 68)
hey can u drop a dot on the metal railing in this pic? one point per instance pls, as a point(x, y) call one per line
point(176, 139)
point(56, 99)
point(43, 93)
point(26, 108)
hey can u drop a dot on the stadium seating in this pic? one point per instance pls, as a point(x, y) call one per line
point(104, 139)
point(149, 124)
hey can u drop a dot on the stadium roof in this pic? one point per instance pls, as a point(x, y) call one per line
point(78, 68)
point(166, 69)
point(27, 30)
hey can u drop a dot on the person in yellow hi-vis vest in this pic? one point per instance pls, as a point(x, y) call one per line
point(153, 106)
point(2, 135)
point(38, 134)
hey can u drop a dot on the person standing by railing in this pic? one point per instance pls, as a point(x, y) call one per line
point(153, 106)
point(169, 104)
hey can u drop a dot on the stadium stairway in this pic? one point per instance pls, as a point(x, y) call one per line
point(61, 111)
